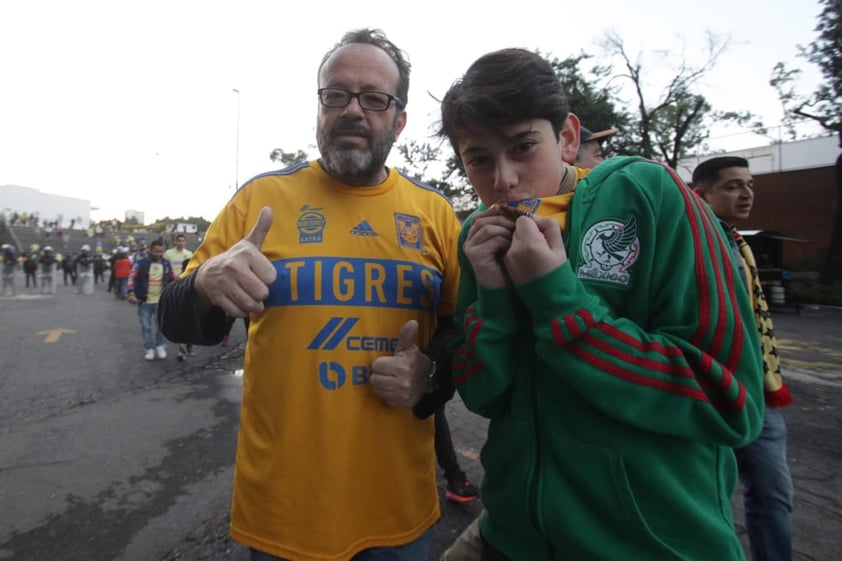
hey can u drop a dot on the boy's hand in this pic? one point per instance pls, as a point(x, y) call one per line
point(488, 240)
point(537, 248)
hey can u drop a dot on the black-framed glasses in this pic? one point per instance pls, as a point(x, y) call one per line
point(369, 100)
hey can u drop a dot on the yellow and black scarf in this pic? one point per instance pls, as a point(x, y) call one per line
point(775, 390)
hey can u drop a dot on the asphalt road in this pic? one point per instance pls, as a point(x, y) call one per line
point(107, 457)
point(103, 455)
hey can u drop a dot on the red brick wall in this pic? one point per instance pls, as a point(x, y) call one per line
point(798, 204)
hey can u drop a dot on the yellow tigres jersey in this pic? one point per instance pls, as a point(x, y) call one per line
point(325, 469)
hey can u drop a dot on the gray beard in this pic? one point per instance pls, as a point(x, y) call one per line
point(354, 166)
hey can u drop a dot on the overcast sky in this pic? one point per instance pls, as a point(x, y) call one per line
point(132, 105)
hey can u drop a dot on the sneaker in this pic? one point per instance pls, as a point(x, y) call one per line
point(180, 357)
point(461, 491)
point(190, 351)
point(224, 342)
point(150, 354)
point(161, 352)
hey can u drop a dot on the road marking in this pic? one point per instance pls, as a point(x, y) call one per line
point(53, 335)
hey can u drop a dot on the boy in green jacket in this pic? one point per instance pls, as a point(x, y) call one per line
point(602, 337)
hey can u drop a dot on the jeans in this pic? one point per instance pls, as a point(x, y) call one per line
point(148, 314)
point(767, 491)
point(414, 551)
point(120, 288)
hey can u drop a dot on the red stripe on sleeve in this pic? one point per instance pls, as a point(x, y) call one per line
point(572, 326)
point(558, 333)
point(652, 346)
point(605, 366)
point(639, 361)
point(694, 212)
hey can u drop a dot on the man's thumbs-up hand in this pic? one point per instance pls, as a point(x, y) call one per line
point(238, 280)
point(400, 380)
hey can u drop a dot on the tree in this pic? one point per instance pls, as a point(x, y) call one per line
point(823, 106)
point(594, 103)
point(425, 162)
point(166, 223)
point(287, 158)
point(679, 119)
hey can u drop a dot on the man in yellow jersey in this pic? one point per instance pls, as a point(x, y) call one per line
point(348, 272)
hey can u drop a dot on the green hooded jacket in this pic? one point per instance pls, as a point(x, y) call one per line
point(618, 384)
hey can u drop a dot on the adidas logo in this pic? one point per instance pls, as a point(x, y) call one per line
point(363, 229)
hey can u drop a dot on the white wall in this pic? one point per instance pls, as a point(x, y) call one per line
point(787, 156)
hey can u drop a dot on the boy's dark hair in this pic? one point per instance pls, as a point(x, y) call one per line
point(377, 38)
point(156, 243)
point(500, 88)
point(707, 172)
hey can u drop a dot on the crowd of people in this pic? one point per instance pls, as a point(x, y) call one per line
point(42, 266)
point(604, 316)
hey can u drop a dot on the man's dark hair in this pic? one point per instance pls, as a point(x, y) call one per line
point(180, 237)
point(707, 172)
point(377, 38)
point(156, 243)
point(500, 88)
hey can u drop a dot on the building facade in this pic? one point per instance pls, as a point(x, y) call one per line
point(47, 207)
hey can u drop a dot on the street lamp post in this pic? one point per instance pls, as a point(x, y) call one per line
point(237, 154)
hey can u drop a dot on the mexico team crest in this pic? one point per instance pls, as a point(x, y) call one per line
point(609, 248)
point(409, 231)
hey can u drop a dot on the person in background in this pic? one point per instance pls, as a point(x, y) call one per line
point(68, 268)
point(47, 262)
point(10, 262)
point(612, 362)
point(111, 280)
point(590, 153)
point(30, 266)
point(178, 255)
point(348, 271)
point(99, 265)
point(725, 182)
point(84, 267)
point(149, 276)
point(120, 271)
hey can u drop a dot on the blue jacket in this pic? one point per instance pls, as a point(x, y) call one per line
point(139, 277)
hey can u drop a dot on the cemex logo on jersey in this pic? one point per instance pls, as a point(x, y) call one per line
point(338, 331)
